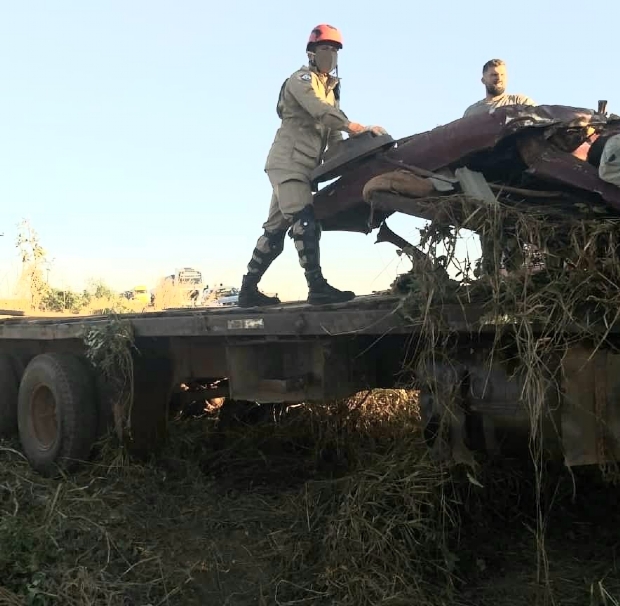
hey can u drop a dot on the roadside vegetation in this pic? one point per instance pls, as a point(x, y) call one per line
point(333, 504)
point(337, 504)
point(36, 295)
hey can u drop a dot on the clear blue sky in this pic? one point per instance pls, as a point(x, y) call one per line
point(134, 133)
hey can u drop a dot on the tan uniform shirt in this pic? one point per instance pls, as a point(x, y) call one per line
point(311, 120)
point(609, 168)
point(486, 105)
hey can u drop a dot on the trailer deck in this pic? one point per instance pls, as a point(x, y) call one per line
point(291, 353)
point(365, 315)
point(370, 314)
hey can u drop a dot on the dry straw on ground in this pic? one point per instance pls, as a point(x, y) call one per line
point(548, 279)
point(312, 505)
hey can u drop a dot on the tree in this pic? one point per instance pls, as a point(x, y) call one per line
point(34, 263)
point(100, 290)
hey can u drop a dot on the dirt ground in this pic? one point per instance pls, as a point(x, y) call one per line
point(315, 507)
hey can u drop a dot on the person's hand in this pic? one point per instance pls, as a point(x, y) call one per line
point(354, 128)
point(377, 130)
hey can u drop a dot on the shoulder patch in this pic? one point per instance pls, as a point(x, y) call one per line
point(305, 77)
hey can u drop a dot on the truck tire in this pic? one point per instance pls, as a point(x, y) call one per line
point(9, 384)
point(57, 412)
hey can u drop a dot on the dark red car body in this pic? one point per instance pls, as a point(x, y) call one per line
point(513, 145)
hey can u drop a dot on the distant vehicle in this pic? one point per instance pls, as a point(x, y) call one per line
point(187, 281)
point(141, 294)
point(188, 277)
point(228, 297)
point(220, 296)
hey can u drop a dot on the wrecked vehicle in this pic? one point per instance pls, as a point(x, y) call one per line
point(527, 156)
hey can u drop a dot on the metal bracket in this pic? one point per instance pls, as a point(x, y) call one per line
point(475, 185)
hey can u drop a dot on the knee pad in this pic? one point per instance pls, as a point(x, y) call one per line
point(268, 248)
point(275, 241)
point(271, 243)
point(306, 233)
point(305, 224)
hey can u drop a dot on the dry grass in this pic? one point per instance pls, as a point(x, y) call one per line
point(104, 305)
point(16, 303)
point(166, 297)
point(37, 297)
point(169, 296)
point(171, 532)
point(96, 306)
point(554, 281)
point(315, 505)
point(80, 541)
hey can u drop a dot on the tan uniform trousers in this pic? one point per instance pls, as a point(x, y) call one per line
point(288, 198)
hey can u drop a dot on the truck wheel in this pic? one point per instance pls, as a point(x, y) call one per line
point(57, 412)
point(9, 384)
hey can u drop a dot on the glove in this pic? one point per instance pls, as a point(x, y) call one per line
point(355, 128)
point(377, 130)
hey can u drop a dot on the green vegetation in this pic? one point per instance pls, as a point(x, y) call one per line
point(43, 297)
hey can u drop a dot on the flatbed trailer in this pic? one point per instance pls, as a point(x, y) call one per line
point(60, 403)
point(64, 381)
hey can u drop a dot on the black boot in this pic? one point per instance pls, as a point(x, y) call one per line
point(250, 296)
point(306, 232)
point(322, 293)
point(268, 248)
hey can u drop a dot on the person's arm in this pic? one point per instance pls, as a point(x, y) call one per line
point(524, 100)
point(300, 86)
point(470, 110)
point(334, 137)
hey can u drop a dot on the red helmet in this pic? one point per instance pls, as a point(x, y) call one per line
point(324, 33)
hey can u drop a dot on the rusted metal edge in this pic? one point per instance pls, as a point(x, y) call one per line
point(299, 324)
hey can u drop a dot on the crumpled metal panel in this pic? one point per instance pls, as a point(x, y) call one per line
point(438, 148)
point(553, 164)
point(454, 141)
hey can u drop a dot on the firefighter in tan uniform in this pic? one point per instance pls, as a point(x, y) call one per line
point(309, 108)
